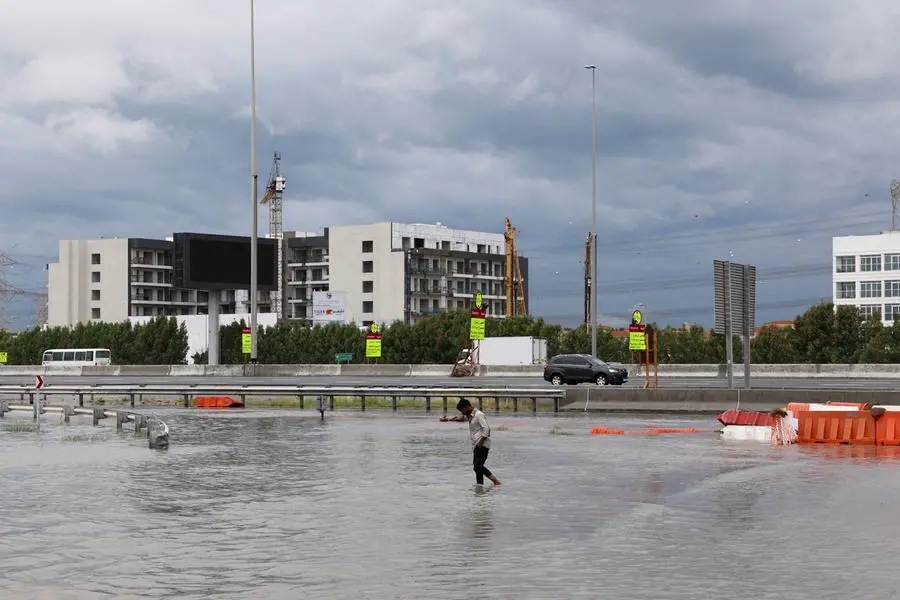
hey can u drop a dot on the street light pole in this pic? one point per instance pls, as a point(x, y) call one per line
point(593, 311)
point(254, 179)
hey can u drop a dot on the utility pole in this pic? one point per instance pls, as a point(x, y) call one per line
point(254, 194)
point(593, 70)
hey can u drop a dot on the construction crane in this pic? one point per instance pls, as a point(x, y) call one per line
point(273, 197)
point(515, 284)
point(587, 280)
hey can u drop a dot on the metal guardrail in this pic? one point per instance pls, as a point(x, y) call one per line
point(300, 391)
point(156, 429)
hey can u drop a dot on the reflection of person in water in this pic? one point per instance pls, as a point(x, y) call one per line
point(480, 432)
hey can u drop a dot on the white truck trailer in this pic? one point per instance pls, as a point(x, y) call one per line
point(511, 351)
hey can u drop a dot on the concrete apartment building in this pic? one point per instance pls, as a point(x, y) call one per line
point(117, 278)
point(386, 271)
point(397, 272)
point(866, 274)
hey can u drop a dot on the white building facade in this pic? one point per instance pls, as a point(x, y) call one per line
point(113, 279)
point(866, 274)
point(389, 272)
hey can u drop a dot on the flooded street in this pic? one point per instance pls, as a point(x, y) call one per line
point(275, 504)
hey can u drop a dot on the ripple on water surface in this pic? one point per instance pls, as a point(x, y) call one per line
point(258, 504)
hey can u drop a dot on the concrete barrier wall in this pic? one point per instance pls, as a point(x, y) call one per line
point(886, 371)
point(708, 401)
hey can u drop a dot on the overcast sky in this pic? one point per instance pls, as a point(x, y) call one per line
point(743, 130)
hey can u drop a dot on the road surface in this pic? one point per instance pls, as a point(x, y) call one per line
point(822, 383)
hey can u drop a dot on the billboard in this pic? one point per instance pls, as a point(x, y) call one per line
point(329, 307)
point(204, 261)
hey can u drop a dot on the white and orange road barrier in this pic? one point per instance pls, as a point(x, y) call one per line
point(812, 423)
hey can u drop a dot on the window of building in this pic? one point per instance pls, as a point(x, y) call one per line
point(95, 295)
point(368, 266)
point(368, 287)
point(95, 258)
point(95, 313)
point(845, 290)
point(95, 277)
point(892, 312)
point(845, 264)
point(368, 307)
point(418, 242)
point(870, 289)
point(368, 246)
point(870, 311)
point(892, 289)
point(870, 263)
point(892, 262)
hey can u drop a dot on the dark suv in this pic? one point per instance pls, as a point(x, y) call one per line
point(583, 368)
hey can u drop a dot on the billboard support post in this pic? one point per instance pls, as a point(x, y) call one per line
point(212, 328)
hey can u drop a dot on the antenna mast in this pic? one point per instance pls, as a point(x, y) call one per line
point(895, 202)
point(273, 197)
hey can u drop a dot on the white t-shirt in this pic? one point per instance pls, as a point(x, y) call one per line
point(479, 428)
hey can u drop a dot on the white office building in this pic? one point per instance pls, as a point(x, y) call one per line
point(866, 273)
point(117, 278)
point(390, 272)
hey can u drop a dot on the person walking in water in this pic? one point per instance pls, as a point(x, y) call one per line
point(480, 433)
point(320, 405)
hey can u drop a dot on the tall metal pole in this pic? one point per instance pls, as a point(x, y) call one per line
point(254, 195)
point(593, 70)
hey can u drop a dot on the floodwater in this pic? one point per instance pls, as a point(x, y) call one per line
point(272, 505)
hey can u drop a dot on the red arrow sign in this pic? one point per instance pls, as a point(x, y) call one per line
point(38, 382)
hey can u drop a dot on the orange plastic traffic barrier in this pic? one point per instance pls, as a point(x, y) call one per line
point(217, 402)
point(665, 430)
point(605, 431)
point(836, 427)
point(887, 428)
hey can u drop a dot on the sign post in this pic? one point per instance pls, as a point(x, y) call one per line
point(642, 341)
point(477, 319)
point(735, 310)
point(38, 385)
point(373, 342)
point(246, 343)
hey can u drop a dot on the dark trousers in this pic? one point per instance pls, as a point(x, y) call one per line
point(479, 456)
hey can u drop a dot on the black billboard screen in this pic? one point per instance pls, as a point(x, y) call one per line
point(214, 262)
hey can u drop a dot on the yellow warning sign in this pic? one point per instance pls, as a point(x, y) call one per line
point(4, 357)
point(373, 347)
point(637, 340)
point(637, 317)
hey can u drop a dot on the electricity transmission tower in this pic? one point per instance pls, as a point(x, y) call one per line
point(7, 290)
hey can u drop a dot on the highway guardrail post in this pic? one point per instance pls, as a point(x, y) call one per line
point(445, 405)
point(98, 413)
point(515, 403)
point(362, 403)
point(428, 404)
point(131, 399)
point(81, 400)
point(120, 419)
point(496, 403)
point(394, 403)
point(331, 403)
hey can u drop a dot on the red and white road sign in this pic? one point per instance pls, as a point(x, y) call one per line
point(38, 382)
